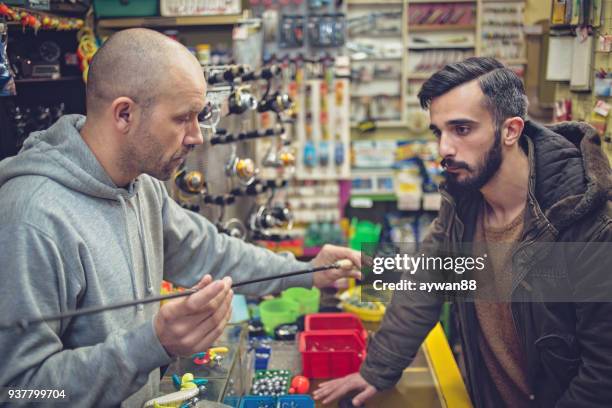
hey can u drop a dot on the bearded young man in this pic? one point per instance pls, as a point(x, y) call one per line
point(510, 180)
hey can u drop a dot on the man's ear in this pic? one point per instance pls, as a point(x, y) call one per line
point(123, 110)
point(512, 130)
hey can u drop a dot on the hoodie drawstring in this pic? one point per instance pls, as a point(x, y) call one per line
point(130, 255)
point(144, 245)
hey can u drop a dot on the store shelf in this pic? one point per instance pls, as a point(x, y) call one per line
point(441, 46)
point(375, 197)
point(417, 28)
point(17, 24)
point(419, 75)
point(384, 124)
point(60, 79)
point(376, 59)
point(376, 36)
point(440, 1)
point(368, 2)
point(169, 21)
point(520, 61)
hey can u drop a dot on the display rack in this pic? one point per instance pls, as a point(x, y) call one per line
point(583, 103)
point(185, 21)
point(430, 40)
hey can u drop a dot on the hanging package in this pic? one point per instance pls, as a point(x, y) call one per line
point(7, 84)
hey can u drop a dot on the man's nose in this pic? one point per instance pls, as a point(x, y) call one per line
point(445, 146)
point(195, 135)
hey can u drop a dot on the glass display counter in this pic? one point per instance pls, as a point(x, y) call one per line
point(432, 380)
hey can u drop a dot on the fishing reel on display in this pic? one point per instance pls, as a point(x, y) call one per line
point(277, 102)
point(268, 218)
point(227, 74)
point(240, 101)
point(192, 188)
point(233, 227)
point(242, 169)
point(283, 158)
point(280, 155)
point(211, 114)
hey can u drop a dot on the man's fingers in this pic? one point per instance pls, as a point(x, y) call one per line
point(355, 257)
point(203, 282)
point(203, 303)
point(363, 396)
point(211, 296)
point(200, 330)
point(215, 327)
point(336, 392)
point(350, 254)
point(325, 388)
point(356, 275)
point(187, 305)
point(339, 273)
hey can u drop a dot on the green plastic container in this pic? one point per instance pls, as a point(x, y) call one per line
point(126, 8)
point(363, 232)
point(275, 312)
point(306, 299)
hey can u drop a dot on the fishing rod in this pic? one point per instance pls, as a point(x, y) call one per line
point(23, 324)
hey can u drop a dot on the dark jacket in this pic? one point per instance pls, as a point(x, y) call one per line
point(567, 339)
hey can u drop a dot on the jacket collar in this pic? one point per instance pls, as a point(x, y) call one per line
point(569, 176)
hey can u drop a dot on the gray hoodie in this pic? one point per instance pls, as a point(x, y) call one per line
point(70, 238)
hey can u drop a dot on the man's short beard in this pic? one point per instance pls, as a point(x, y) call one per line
point(150, 159)
point(167, 171)
point(490, 165)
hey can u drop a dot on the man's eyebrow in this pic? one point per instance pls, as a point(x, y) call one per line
point(462, 121)
point(192, 109)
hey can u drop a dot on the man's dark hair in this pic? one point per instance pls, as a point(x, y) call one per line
point(503, 89)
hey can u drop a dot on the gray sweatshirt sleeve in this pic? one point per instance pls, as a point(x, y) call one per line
point(37, 281)
point(193, 248)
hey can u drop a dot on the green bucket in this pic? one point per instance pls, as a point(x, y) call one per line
point(363, 232)
point(275, 312)
point(307, 299)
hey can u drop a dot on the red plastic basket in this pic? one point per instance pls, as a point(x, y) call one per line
point(331, 353)
point(335, 321)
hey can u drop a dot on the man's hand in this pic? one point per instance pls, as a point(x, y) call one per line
point(192, 324)
point(330, 254)
point(335, 389)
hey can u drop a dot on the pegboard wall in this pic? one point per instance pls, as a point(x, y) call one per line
point(584, 103)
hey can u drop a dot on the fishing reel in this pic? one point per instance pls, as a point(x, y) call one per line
point(243, 169)
point(240, 101)
point(191, 182)
point(277, 216)
point(228, 75)
point(191, 188)
point(234, 228)
point(280, 154)
point(279, 159)
point(277, 102)
point(210, 116)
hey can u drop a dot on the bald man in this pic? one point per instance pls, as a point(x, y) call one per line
point(86, 221)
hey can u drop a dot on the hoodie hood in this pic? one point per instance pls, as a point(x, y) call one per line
point(572, 173)
point(61, 154)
